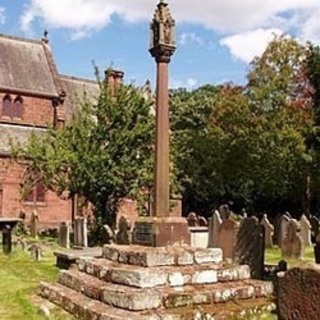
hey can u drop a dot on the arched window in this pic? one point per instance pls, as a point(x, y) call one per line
point(17, 108)
point(7, 106)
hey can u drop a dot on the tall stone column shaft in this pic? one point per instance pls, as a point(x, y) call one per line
point(161, 179)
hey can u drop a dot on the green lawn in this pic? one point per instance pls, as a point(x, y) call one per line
point(19, 282)
point(273, 256)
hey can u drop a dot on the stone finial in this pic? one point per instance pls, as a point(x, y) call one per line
point(162, 43)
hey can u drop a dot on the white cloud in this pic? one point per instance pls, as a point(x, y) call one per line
point(190, 38)
point(2, 15)
point(245, 46)
point(231, 19)
point(187, 83)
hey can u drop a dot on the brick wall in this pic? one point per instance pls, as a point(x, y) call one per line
point(36, 110)
point(51, 212)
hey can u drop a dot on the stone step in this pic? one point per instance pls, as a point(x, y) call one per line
point(141, 277)
point(82, 307)
point(137, 299)
point(162, 256)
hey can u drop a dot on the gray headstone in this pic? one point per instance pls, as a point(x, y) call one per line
point(305, 226)
point(34, 224)
point(249, 247)
point(227, 237)
point(268, 231)
point(64, 235)
point(292, 244)
point(80, 232)
point(315, 226)
point(214, 223)
point(282, 230)
point(123, 236)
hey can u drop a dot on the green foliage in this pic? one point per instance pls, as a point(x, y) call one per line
point(103, 154)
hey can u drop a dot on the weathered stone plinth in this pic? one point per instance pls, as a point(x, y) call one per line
point(132, 282)
point(161, 231)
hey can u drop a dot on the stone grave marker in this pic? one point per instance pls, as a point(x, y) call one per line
point(282, 229)
point(214, 223)
point(292, 244)
point(317, 249)
point(227, 237)
point(249, 248)
point(305, 226)
point(268, 231)
point(64, 235)
point(315, 226)
point(34, 224)
point(224, 211)
point(202, 221)
point(80, 232)
point(123, 234)
point(193, 220)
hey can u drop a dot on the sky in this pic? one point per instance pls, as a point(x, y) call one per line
point(216, 39)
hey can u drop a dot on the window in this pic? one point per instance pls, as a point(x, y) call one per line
point(36, 195)
point(6, 106)
point(12, 109)
point(17, 108)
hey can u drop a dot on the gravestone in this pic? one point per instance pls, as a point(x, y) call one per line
point(108, 235)
point(34, 224)
point(292, 244)
point(317, 249)
point(123, 236)
point(202, 221)
point(224, 211)
point(305, 226)
point(7, 239)
point(282, 230)
point(268, 231)
point(249, 248)
point(80, 232)
point(227, 237)
point(214, 223)
point(64, 235)
point(315, 226)
point(193, 220)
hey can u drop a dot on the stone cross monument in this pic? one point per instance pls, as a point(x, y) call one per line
point(162, 228)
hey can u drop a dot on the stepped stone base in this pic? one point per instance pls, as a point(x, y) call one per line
point(145, 283)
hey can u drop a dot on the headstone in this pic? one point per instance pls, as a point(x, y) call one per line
point(34, 224)
point(315, 228)
point(108, 235)
point(202, 221)
point(249, 248)
point(282, 229)
point(36, 251)
point(80, 232)
point(268, 231)
point(64, 235)
point(224, 211)
point(227, 237)
point(305, 226)
point(317, 249)
point(193, 220)
point(214, 223)
point(7, 239)
point(123, 236)
point(298, 293)
point(292, 244)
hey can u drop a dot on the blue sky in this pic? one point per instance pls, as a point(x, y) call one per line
point(216, 39)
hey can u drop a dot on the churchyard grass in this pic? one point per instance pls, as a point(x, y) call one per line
point(273, 256)
point(19, 282)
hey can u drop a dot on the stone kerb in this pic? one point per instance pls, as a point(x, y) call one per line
point(161, 256)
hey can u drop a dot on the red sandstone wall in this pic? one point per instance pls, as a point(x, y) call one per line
point(51, 212)
point(36, 110)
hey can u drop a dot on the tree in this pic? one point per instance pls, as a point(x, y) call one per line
point(103, 154)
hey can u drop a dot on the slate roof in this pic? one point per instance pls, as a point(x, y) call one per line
point(24, 66)
point(18, 134)
point(76, 89)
